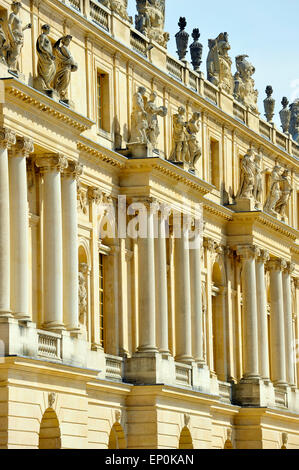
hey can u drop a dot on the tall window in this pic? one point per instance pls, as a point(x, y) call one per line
point(103, 119)
point(101, 299)
point(214, 163)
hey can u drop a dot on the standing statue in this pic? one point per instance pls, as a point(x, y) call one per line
point(4, 46)
point(46, 67)
point(286, 192)
point(248, 176)
point(244, 90)
point(258, 185)
point(16, 37)
point(294, 122)
point(219, 63)
point(274, 192)
point(152, 112)
point(192, 128)
point(139, 123)
point(150, 20)
point(65, 65)
point(180, 144)
point(120, 7)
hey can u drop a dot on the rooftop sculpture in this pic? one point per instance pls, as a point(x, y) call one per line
point(244, 84)
point(151, 19)
point(219, 63)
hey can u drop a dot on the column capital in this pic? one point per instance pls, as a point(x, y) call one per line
point(248, 251)
point(264, 256)
point(290, 267)
point(7, 137)
point(24, 147)
point(51, 162)
point(95, 195)
point(277, 265)
point(74, 170)
point(210, 244)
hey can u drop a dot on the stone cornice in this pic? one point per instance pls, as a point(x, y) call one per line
point(96, 153)
point(218, 210)
point(18, 91)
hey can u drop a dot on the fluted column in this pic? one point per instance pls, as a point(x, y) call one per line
point(248, 254)
point(262, 315)
point(162, 292)
point(183, 297)
point(196, 297)
point(51, 167)
point(288, 318)
point(70, 244)
point(147, 289)
point(7, 138)
point(19, 228)
point(278, 357)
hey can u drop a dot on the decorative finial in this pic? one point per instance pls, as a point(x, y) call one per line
point(196, 50)
point(269, 104)
point(285, 115)
point(182, 39)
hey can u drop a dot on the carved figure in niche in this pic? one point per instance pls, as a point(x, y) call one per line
point(46, 67)
point(82, 200)
point(286, 192)
point(139, 123)
point(151, 19)
point(16, 36)
point(83, 302)
point(258, 186)
point(219, 63)
point(248, 175)
point(274, 191)
point(153, 111)
point(180, 145)
point(4, 46)
point(244, 90)
point(193, 144)
point(65, 66)
point(294, 123)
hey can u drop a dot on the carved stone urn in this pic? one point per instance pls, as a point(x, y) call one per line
point(182, 39)
point(285, 115)
point(196, 50)
point(269, 104)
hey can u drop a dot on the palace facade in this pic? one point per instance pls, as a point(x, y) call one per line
point(109, 340)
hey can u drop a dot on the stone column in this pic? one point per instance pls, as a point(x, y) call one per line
point(51, 167)
point(262, 315)
point(197, 315)
point(19, 228)
point(288, 319)
point(7, 138)
point(162, 292)
point(248, 254)
point(70, 245)
point(277, 322)
point(183, 298)
point(147, 289)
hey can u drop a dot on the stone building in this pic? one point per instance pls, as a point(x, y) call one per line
point(113, 341)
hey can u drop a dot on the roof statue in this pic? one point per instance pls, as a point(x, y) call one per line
point(244, 91)
point(150, 20)
point(219, 63)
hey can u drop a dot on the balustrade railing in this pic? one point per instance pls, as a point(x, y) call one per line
point(138, 43)
point(239, 112)
point(210, 92)
point(114, 367)
point(174, 68)
point(183, 375)
point(98, 14)
point(49, 345)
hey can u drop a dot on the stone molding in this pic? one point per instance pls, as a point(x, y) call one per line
point(51, 162)
point(7, 138)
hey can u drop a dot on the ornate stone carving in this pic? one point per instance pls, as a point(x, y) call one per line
point(82, 200)
point(276, 265)
point(65, 65)
point(46, 67)
point(153, 111)
point(25, 146)
point(285, 115)
point(269, 104)
point(194, 150)
point(285, 439)
point(4, 45)
point(244, 90)
point(151, 19)
point(294, 122)
point(285, 195)
point(16, 37)
point(7, 137)
point(196, 50)
point(250, 193)
point(187, 419)
point(179, 137)
point(51, 399)
point(182, 38)
point(51, 162)
point(117, 416)
point(119, 7)
point(74, 170)
point(83, 302)
point(248, 251)
point(258, 184)
point(274, 192)
point(248, 172)
point(95, 195)
point(219, 63)
point(144, 119)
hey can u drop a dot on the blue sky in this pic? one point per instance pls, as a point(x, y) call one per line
point(266, 30)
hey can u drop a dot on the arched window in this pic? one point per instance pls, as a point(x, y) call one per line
point(117, 438)
point(185, 439)
point(49, 435)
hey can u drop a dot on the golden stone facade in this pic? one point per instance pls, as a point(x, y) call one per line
point(121, 342)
